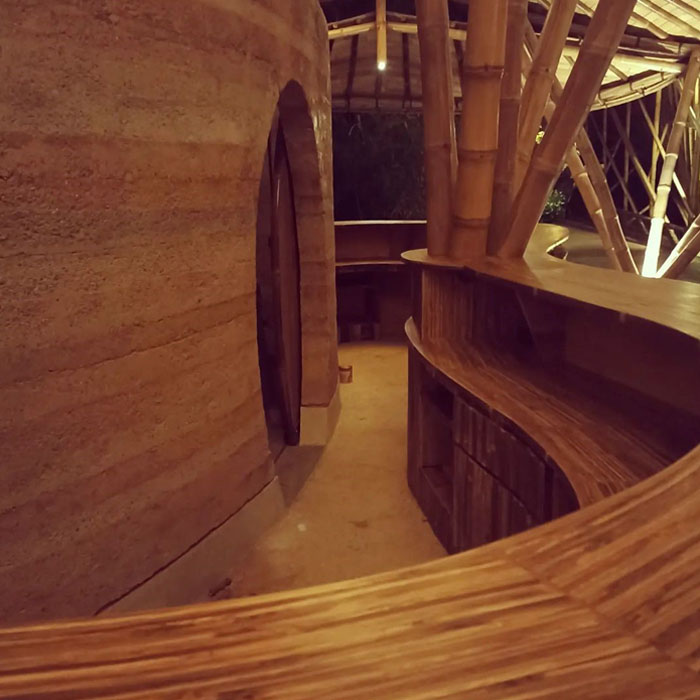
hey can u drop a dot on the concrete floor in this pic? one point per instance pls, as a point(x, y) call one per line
point(355, 514)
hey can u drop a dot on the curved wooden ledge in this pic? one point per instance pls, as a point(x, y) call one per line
point(668, 303)
point(602, 603)
point(599, 452)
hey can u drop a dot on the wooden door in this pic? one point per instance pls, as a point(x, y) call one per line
point(286, 311)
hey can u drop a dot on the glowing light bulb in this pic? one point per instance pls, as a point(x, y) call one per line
point(381, 65)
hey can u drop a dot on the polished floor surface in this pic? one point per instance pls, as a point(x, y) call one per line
point(355, 514)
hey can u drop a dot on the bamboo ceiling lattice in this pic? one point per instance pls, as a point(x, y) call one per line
point(659, 38)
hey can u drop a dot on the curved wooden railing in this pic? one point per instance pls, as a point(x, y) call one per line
point(601, 603)
point(519, 410)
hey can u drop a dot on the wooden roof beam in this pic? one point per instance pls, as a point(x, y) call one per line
point(382, 55)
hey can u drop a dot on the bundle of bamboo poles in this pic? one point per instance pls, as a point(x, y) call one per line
point(589, 179)
point(653, 249)
point(491, 212)
point(602, 38)
point(503, 180)
point(504, 176)
point(540, 80)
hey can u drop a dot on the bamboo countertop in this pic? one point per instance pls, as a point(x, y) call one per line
point(669, 303)
point(602, 603)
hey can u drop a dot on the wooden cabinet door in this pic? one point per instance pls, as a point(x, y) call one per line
point(286, 282)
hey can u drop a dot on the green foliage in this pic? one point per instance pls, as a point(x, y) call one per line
point(555, 208)
point(378, 166)
point(378, 169)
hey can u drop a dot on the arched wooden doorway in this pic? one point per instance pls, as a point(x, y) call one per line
point(278, 295)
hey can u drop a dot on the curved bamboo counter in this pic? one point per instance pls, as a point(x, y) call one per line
point(602, 603)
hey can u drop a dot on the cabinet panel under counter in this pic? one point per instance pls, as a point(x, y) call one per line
point(556, 401)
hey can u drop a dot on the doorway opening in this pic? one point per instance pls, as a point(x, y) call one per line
point(278, 296)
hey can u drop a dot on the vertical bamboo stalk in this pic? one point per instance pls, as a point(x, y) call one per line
point(658, 149)
point(683, 254)
point(651, 254)
point(599, 203)
point(618, 242)
point(605, 139)
point(602, 39)
point(694, 195)
point(654, 145)
point(628, 128)
point(590, 176)
point(439, 136)
point(631, 156)
point(592, 202)
point(478, 139)
point(504, 185)
point(541, 78)
point(573, 160)
point(382, 55)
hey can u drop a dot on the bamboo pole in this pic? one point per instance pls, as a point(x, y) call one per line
point(504, 185)
point(382, 55)
point(608, 156)
point(540, 80)
point(688, 28)
point(592, 203)
point(651, 254)
point(606, 28)
point(656, 146)
point(628, 140)
point(573, 160)
point(620, 180)
point(683, 254)
point(605, 136)
point(351, 30)
point(409, 28)
point(631, 155)
point(641, 19)
point(618, 242)
point(478, 139)
point(694, 194)
point(439, 136)
point(590, 180)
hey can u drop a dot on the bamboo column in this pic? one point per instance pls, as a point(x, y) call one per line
point(658, 149)
point(382, 55)
point(573, 160)
point(602, 39)
point(478, 139)
point(693, 199)
point(540, 80)
point(655, 127)
point(592, 185)
point(589, 178)
point(438, 121)
point(504, 183)
point(683, 254)
point(651, 255)
point(618, 242)
point(592, 202)
point(628, 141)
point(599, 202)
point(631, 156)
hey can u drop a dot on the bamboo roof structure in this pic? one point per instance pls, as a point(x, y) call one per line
point(653, 53)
